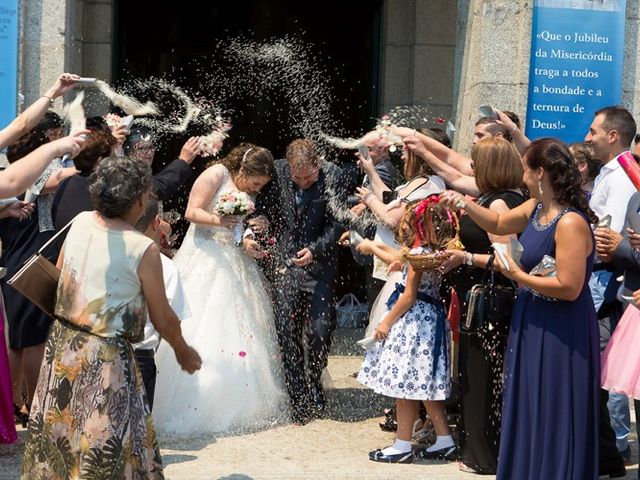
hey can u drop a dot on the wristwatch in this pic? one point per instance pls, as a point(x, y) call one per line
point(468, 259)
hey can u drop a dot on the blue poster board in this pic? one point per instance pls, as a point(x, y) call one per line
point(576, 66)
point(8, 60)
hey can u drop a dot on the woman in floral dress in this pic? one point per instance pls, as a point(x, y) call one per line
point(90, 417)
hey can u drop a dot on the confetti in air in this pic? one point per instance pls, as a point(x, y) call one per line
point(74, 113)
point(129, 105)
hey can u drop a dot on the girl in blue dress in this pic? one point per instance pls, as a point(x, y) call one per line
point(411, 360)
point(551, 396)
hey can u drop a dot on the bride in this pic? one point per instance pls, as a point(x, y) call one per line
point(240, 386)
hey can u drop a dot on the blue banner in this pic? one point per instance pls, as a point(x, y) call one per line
point(8, 60)
point(576, 65)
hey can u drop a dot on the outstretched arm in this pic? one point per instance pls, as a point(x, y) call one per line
point(161, 314)
point(507, 223)
point(455, 179)
point(404, 303)
point(18, 176)
point(384, 252)
point(32, 115)
point(444, 153)
point(573, 246)
point(520, 141)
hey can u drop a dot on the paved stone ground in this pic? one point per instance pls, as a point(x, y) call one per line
point(333, 448)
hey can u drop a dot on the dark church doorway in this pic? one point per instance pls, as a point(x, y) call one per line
point(159, 38)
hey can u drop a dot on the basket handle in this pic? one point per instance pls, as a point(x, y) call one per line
point(349, 299)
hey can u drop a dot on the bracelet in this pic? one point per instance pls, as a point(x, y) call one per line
point(513, 130)
point(50, 99)
point(468, 259)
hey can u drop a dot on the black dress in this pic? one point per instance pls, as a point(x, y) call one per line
point(28, 325)
point(480, 355)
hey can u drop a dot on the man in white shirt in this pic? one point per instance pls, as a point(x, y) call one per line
point(611, 133)
point(149, 224)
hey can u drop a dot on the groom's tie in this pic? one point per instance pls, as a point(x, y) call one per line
point(299, 195)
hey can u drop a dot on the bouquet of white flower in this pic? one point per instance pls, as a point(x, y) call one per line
point(235, 203)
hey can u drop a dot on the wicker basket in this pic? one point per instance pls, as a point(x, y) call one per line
point(425, 261)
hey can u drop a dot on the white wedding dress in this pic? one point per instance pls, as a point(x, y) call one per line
point(240, 386)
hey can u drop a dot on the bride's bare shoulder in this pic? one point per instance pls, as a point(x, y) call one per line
point(215, 173)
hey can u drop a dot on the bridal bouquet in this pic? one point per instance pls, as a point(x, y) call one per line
point(235, 203)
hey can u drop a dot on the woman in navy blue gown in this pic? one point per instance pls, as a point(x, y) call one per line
point(552, 365)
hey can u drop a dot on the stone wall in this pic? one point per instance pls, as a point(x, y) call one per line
point(630, 79)
point(64, 36)
point(418, 55)
point(492, 60)
point(42, 46)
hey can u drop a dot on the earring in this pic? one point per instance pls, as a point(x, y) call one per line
point(540, 188)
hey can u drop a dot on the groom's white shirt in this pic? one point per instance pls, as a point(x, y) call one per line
point(177, 300)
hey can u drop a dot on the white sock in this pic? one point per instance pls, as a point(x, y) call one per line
point(444, 441)
point(399, 446)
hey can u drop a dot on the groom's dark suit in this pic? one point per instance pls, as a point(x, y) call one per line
point(301, 219)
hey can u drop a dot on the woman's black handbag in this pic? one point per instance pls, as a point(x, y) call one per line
point(488, 303)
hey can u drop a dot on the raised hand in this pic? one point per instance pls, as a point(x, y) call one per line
point(62, 85)
point(365, 163)
point(190, 150)
point(415, 145)
point(71, 144)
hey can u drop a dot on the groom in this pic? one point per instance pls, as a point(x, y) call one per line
point(296, 206)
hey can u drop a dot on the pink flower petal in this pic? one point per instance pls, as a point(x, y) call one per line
point(242, 354)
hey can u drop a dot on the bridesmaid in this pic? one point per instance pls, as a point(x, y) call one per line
point(551, 397)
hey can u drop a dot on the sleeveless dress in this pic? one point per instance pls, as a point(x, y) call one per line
point(90, 418)
point(432, 185)
point(414, 361)
point(240, 386)
point(552, 388)
point(480, 354)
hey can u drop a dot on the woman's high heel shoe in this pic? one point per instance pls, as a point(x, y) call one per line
point(20, 417)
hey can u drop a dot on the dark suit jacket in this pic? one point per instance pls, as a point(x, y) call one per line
point(72, 196)
point(627, 257)
point(310, 225)
point(167, 181)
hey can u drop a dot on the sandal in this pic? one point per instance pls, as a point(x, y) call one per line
point(465, 468)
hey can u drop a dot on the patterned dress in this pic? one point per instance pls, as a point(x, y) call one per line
point(90, 418)
point(413, 363)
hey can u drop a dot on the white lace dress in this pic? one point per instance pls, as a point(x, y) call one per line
point(414, 361)
point(240, 386)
